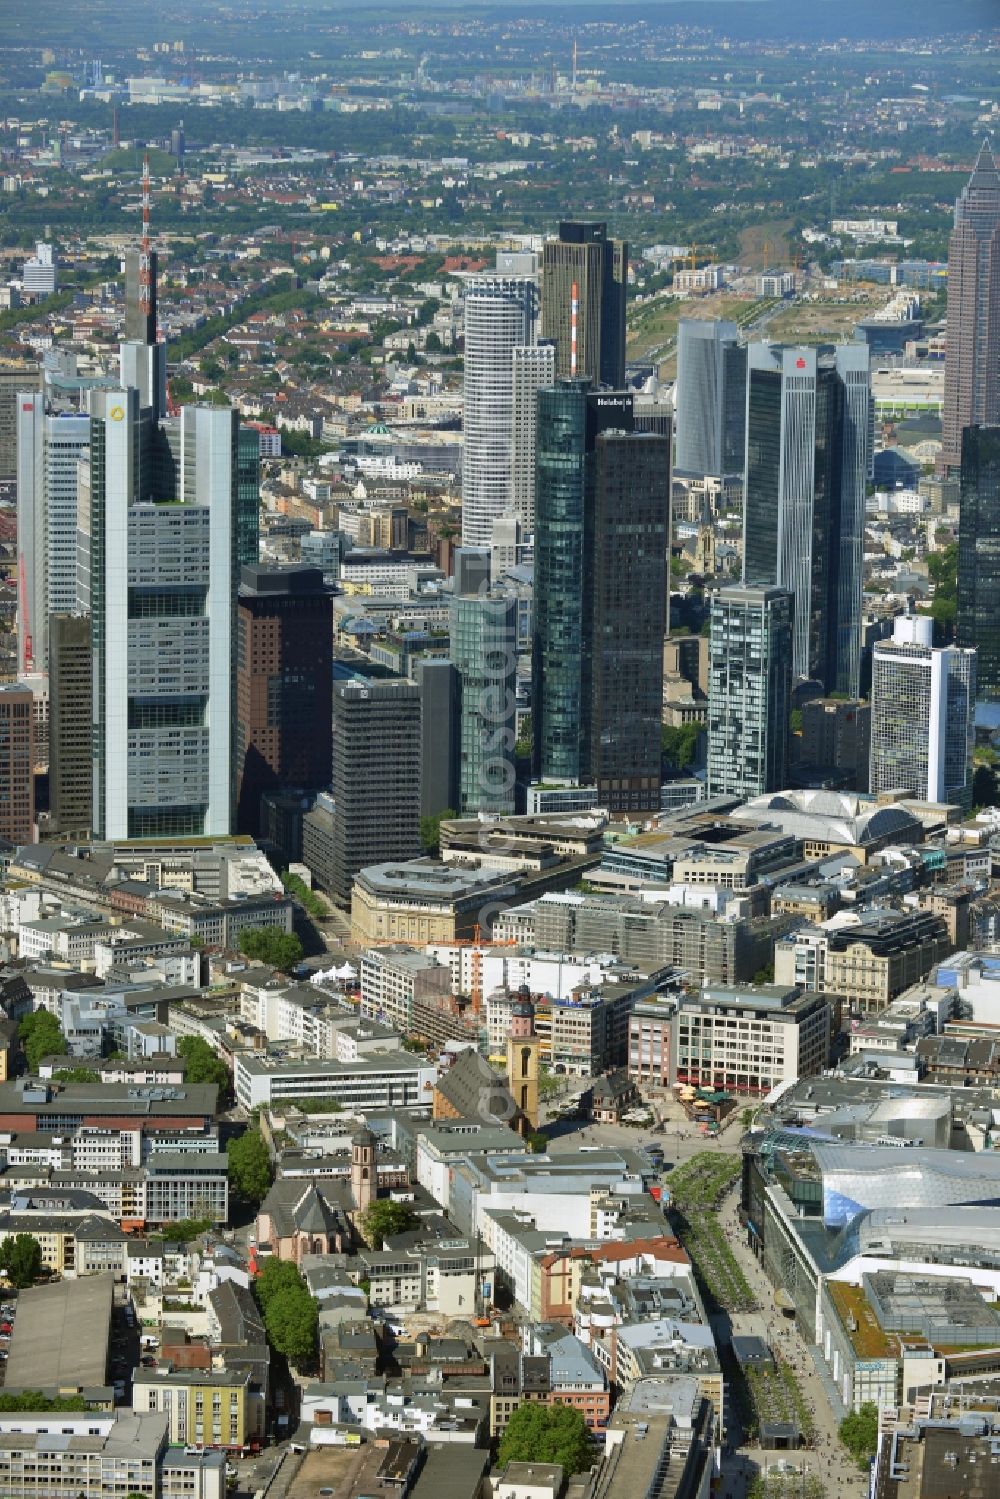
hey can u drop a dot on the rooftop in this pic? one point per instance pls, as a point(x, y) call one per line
point(61, 1335)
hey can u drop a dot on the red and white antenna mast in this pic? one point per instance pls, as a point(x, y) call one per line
point(145, 264)
point(574, 310)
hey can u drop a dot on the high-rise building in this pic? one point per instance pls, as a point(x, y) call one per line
point(284, 686)
point(17, 763)
point(140, 309)
point(500, 316)
point(749, 690)
point(40, 274)
point(809, 436)
point(923, 706)
point(483, 651)
point(584, 258)
point(979, 555)
point(14, 380)
point(601, 514)
point(972, 345)
point(534, 367)
point(162, 578)
point(710, 398)
point(143, 360)
point(248, 497)
point(439, 718)
point(376, 777)
point(71, 765)
point(50, 445)
point(836, 736)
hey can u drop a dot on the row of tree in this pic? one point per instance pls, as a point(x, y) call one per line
point(291, 1315)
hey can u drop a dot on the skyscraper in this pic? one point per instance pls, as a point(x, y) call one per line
point(162, 594)
point(979, 555)
point(601, 510)
point(534, 367)
point(14, 378)
point(376, 777)
point(500, 316)
point(972, 347)
point(710, 398)
point(808, 441)
point(284, 686)
point(17, 763)
point(585, 258)
point(483, 652)
point(749, 690)
point(71, 766)
point(923, 702)
point(50, 445)
point(248, 497)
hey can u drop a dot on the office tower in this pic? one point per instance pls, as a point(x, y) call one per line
point(583, 257)
point(50, 445)
point(601, 509)
point(71, 766)
point(284, 686)
point(749, 690)
point(836, 735)
point(17, 763)
point(500, 316)
point(439, 718)
point(14, 380)
point(39, 278)
point(506, 546)
point(808, 442)
point(162, 595)
point(972, 345)
point(483, 651)
point(534, 367)
point(248, 497)
point(710, 398)
point(923, 703)
point(979, 555)
point(140, 309)
point(376, 777)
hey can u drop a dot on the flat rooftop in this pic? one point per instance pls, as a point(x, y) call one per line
point(61, 1334)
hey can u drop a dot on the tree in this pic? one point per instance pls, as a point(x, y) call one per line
point(76, 1075)
point(430, 830)
point(537, 1142)
point(291, 1320)
point(21, 1259)
point(859, 1432)
point(41, 1036)
point(184, 1230)
point(250, 1172)
point(547, 1434)
point(266, 944)
point(381, 1219)
point(680, 746)
point(203, 1066)
point(276, 1276)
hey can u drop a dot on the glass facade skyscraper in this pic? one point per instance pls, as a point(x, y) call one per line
point(710, 398)
point(483, 653)
point(808, 447)
point(601, 537)
point(979, 555)
point(923, 702)
point(749, 690)
point(972, 354)
point(584, 256)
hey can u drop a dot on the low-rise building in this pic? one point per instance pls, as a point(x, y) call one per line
point(751, 1038)
point(377, 1080)
point(94, 1454)
point(868, 957)
point(204, 1408)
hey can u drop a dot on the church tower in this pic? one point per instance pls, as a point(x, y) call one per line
point(364, 1171)
point(522, 1059)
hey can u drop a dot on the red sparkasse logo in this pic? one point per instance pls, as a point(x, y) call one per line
point(800, 363)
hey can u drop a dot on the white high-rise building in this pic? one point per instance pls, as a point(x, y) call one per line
point(534, 368)
point(923, 703)
point(500, 315)
point(158, 515)
point(49, 449)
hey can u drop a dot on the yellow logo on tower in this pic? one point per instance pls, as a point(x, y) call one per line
point(117, 413)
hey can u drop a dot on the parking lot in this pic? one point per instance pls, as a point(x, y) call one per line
point(8, 1312)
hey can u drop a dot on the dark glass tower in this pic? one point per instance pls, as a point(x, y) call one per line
point(807, 459)
point(247, 497)
point(601, 541)
point(584, 256)
point(972, 353)
point(979, 554)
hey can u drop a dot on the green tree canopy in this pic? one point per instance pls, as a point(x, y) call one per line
point(680, 745)
point(203, 1065)
point(34, 1400)
point(21, 1259)
point(276, 1276)
point(382, 1219)
point(547, 1434)
point(76, 1075)
point(266, 944)
point(430, 830)
point(291, 1320)
point(859, 1432)
point(41, 1036)
point(250, 1172)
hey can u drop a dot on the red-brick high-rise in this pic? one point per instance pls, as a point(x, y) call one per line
point(972, 359)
